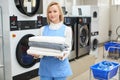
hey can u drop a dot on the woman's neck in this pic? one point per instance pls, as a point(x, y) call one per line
point(55, 26)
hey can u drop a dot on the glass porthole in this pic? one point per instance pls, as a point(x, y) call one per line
point(28, 7)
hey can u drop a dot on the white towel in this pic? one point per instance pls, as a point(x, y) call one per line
point(49, 39)
point(45, 53)
point(45, 49)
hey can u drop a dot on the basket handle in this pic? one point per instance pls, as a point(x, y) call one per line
point(110, 48)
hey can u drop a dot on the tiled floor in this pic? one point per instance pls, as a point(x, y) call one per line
point(86, 75)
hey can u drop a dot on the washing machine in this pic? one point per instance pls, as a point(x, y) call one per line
point(94, 43)
point(21, 20)
point(23, 66)
point(93, 12)
point(72, 22)
point(94, 38)
point(83, 35)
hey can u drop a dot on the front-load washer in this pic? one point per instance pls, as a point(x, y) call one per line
point(72, 22)
point(94, 43)
point(23, 66)
point(83, 35)
point(20, 21)
point(94, 38)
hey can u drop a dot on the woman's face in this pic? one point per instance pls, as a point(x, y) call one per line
point(53, 14)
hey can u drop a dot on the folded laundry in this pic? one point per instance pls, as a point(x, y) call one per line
point(45, 49)
point(56, 46)
point(45, 53)
point(53, 39)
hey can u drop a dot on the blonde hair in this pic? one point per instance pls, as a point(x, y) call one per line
point(61, 17)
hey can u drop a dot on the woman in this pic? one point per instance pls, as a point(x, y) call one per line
point(55, 68)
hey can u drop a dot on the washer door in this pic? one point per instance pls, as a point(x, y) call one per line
point(27, 7)
point(23, 58)
point(83, 35)
point(94, 44)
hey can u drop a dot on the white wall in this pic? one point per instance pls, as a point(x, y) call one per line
point(90, 2)
point(104, 10)
point(115, 20)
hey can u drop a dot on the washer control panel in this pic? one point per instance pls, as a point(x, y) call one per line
point(94, 33)
point(23, 24)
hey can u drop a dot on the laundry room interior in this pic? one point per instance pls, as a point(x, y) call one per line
point(94, 28)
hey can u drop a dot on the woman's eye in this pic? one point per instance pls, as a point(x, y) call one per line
point(55, 11)
point(49, 12)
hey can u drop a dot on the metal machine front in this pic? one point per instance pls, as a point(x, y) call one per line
point(72, 22)
point(83, 34)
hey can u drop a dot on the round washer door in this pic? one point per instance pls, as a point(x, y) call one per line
point(94, 44)
point(83, 35)
point(27, 7)
point(23, 58)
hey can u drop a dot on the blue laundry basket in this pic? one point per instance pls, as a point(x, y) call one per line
point(118, 48)
point(104, 70)
point(107, 46)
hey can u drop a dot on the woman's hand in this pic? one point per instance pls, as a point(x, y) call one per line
point(63, 57)
point(36, 56)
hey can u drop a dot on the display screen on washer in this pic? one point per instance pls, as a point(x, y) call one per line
point(29, 7)
point(23, 25)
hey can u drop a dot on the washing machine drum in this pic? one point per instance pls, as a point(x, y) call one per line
point(84, 35)
point(94, 44)
point(23, 58)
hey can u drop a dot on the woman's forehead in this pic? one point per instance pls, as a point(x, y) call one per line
point(53, 7)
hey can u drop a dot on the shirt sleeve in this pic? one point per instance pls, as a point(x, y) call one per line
point(68, 38)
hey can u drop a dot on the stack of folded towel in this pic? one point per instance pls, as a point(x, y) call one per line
point(47, 46)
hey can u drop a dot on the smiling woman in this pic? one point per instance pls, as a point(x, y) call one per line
point(55, 67)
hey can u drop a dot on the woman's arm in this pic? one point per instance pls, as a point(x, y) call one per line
point(68, 41)
point(68, 37)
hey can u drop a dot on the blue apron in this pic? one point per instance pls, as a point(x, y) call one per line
point(52, 66)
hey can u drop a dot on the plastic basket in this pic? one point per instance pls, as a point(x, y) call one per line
point(109, 44)
point(107, 74)
point(118, 48)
